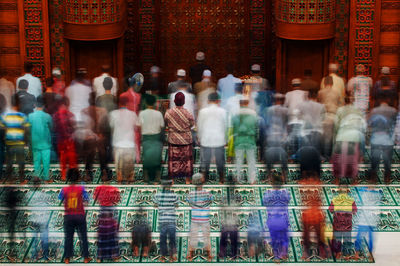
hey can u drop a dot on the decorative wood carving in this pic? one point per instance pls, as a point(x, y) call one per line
point(342, 36)
point(390, 27)
point(394, 49)
point(391, 5)
point(9, 50)
point(8, 29)
point(8, 6)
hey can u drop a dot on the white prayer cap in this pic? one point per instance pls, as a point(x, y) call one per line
point(200, 56)
point(181, 73)
point(296, 81)
point(256, 68)
point(279, 96)
point(207, 73)
point(385, 70)
point(154, 69)
point(333, 67)
point(56, 71)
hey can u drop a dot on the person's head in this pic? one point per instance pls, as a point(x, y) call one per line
point(333, 68)
point(92, 98)
point(200, 56)
point(73, 175)
point(39, 102)
point(213, 98)
point(296, 83)
point(123, 101)
point(179, 99)
point(207, 74)
point(105, 68)
point(108, 84)
point(28, 67)
point(255, 69)
point(80, 74)
point(155, 71)
point(23, 84)
point(360, 69)
point(328, 81)
point(229, 68)
point(180, 74)
point(308, 73)
point(198, 179)
point(3, 103)
point(244, 103)
point(56, 72)
point(385, 71)
point(150, 100)
point(279, 98)
point(239, 88)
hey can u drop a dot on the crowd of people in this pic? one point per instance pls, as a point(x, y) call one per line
point(234, 119)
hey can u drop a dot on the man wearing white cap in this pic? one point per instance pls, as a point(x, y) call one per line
point(204, 88)
point(180, 82)
point(255, 87)
point(226, 85)
point(78, 94)
point(155, 84)
point(387, 86)
point(295, 97)
point(338, 82)
point(35, 85)
point(58, 83)
point(196, 71)
point(359, 87)
point(98, 82)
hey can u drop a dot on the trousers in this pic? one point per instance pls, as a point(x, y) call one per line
point(42, 230)
point(15, 153)
point(365, 231)
point(78, 222)
point(206, 154)
point(196, 237)
point(167, 233)
point(251, 163)
point(42, 158)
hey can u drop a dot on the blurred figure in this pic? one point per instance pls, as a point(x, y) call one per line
point(245, 130)
point(180, 82)
point(74, 197)
point(310, 162)
point(3, 108)
point(254, 86)
point(41, 127)
point(349, 137)
point(11, 200)
point(155, 86)
point(39, 221)
point(367, 219)
point(51, 100)
point(277, 201)
point(190, 100)
point(385, 86)
point(332, 100)
point(295, 139)
point(166, 201)
point(180, 142)
point(152, 126)
point(64, 126)
point(93, 137)
point(78, 94)
point(359, 87)
point(200, 201)
point(26, 100)
point(141, 234)
point(196, 71)
point(211, 131)
point(16, 127)
point(107, 101)
point(7, 89)
point(34, 84)
point(203, 89)
point(123, 123)
point(308, 84)
point(98, 82)
point(313, 221)
point(254, 235)
point(381, 121)
point(229, 234)
point(294, 98)
point(343, 208)
point(338, 83)
point(226, 86)
point(58, 82)
point(313, 115)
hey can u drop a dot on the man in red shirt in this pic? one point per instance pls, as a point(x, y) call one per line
point(74, 216)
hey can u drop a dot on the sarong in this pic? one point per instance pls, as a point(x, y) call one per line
point(152, 152)
point(180, 161)
point(345, 159)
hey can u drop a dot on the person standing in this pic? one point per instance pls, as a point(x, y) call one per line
point(64, 126)
point(385, 85)
point(41, 127)
point(180, 82)
point(166, 201)
point(98, 87)
point(338, 83)
point(7, 89)
point(123, 123)
point(107, 100)
point(359, 87)
point(155, 86)
point(211, 131)
point(203, 89)
point(35, 86)
point(26, 100)
point(58, 82)
point(294, 98)
point(3, 107)
point(200, 201)
point(190, 100)
point(78, 94)
point(179, 122)
point(16, 127)
point(196, 71)
point(245, 131)
point(51, 99)
point(308, 84)
point(226, 86)
point(152, 124)
point(74, 197)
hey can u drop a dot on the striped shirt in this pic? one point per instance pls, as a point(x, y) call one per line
point(166, 201)
point(200, 200)
point(15, 124)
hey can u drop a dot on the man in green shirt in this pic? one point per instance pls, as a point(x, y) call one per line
point(41, 125)
point(245, 128)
